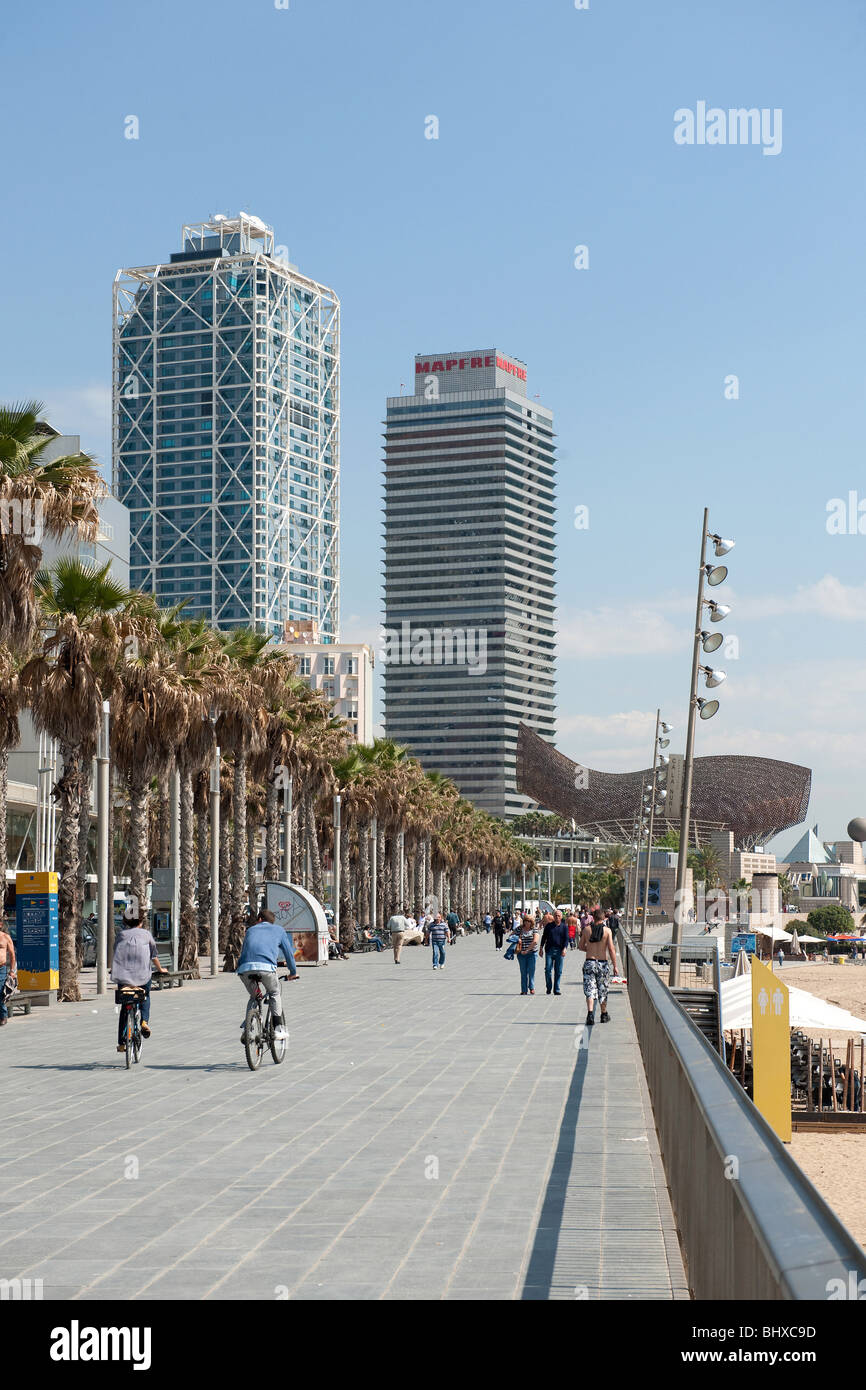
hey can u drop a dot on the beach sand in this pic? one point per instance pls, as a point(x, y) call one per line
point(835, 1163)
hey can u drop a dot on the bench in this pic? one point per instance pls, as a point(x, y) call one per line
point(22, 1002)
point(171, 977)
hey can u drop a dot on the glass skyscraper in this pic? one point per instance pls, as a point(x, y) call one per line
point(469, 571)
point(226, 430)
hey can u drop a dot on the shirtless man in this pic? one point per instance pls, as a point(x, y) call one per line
point(7, 970)
point(596, 939)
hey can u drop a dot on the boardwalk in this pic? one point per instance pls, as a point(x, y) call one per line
point(431, 1135)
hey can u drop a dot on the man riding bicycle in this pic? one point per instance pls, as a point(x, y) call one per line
point(264, 943)
point(134, 961)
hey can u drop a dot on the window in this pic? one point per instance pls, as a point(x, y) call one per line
point(304, 666)
point(351, 666)
point(328, 666)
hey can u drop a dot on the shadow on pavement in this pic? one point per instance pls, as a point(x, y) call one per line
point(539, 1274)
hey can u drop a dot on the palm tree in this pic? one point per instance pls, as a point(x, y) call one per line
point(707, 865)
point(81, 608)
point(36, 497)
point(10, 704)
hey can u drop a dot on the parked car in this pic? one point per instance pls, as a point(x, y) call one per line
point(692, 953)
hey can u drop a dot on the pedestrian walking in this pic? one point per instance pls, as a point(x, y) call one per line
point(488, 922)
point(554, 939)
point(781, 958)
point(527, 954)
point(398, 925)
point(571, 923)
point(439, 934)
point(7, 973)
point(498, 930)
point(597, 941)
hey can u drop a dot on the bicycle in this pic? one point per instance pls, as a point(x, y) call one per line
point(131, 1001)
point(258, 1032)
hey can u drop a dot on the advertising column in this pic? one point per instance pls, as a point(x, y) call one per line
point(36, 919)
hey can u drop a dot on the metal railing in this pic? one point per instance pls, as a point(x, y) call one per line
point(752, 1225)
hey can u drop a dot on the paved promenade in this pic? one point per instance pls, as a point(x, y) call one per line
point(430, 1135)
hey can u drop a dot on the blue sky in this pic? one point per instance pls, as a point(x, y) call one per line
point(555, 130)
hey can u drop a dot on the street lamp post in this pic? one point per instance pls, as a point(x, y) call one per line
point(649, 843)
point(104, 894)
point(523, 899)
point(707, 574)
point(215, 862)
point(174, 856)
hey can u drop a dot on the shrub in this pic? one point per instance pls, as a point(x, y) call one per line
point(830, 920)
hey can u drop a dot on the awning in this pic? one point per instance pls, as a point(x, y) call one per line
point(806, 1010)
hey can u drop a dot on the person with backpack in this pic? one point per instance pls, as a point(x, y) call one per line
point(498, 930)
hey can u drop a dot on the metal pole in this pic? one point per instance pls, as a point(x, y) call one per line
point(288, 794)
point(523, 899)
point(374, 869)
point(649, 839)
point(337, 864)
point(215, 862)
point(174, 860)
point(104, 894)
point(686, 809)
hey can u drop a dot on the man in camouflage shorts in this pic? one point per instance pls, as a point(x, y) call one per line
point(596, 939)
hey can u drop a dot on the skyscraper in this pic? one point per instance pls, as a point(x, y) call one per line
point(226, 430)
point(469, 571)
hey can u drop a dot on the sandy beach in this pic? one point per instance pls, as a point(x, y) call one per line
point(835, 1163)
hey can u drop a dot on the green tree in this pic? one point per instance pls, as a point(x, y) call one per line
point(830, 920)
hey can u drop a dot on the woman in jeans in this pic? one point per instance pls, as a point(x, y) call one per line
point(527, 955)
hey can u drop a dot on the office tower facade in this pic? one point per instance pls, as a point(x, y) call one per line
point(226, 430)
point(468, 646)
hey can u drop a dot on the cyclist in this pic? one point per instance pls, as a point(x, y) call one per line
point(264, 943)
point(134, 961)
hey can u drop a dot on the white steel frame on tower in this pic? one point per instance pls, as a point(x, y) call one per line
point(294, 538)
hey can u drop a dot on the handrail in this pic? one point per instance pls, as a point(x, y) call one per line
point(752, 1224)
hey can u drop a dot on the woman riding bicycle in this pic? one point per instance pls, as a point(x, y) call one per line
point(135, 959)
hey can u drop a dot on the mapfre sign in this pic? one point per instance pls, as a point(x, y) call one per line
point(462, 364)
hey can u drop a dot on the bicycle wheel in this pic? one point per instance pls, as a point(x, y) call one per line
point(129, 1037)
point(136, 1035)
point(279, 1046)
point(254, 1042)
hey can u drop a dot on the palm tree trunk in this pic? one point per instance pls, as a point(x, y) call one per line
point(139, 863)
point(295, 867)
point(68, 793)
point(363, 888)
point(164, 819)
point(317, 883)
point(225, 877)
point(300, 839)
point(272, 830)
point(239, 859)
point(203, 857)
point(347, 916)
point(188, 932)
point(380, 876)
point(4, 799)
point(83, 846)
point(252, 889)
point(394, 904)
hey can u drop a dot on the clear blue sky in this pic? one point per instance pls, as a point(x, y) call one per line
point(556, 129)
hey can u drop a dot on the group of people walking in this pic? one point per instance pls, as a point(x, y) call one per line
point(529, 936)
point(550, 936)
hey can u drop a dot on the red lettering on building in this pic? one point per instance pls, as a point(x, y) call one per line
point(438, 367)
point(422, 367)
point(451, 362)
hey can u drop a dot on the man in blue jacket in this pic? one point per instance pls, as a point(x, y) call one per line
point(264, 944)
point(554, 941)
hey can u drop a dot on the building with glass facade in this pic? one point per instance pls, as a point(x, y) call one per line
point(469, 636)
point(226, 430)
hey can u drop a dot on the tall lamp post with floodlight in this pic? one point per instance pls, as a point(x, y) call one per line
point(657, 792)
point(711, 576)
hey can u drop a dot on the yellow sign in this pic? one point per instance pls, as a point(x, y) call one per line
point(771, 1049)
point(35, 883)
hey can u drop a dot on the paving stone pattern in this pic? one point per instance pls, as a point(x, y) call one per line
point(431, 1135)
